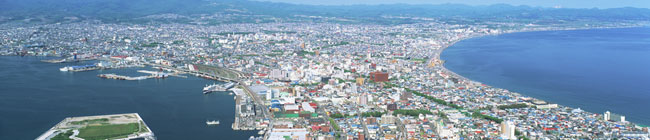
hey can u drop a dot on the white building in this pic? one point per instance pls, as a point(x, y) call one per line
point(508, 130)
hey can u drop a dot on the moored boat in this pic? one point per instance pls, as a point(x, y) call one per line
point(212, 122)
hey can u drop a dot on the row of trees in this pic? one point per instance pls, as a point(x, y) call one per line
point(410, 112)
point(436, 100)
point(478, 114)
point(512, 106)
point(372, 114)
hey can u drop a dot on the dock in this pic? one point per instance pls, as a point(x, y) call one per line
point(64, 60)
point(122, 77)
point(176, 74)
point(247, 112)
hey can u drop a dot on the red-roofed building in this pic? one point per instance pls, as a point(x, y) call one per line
point(313, 105)
point(379, 76)
point(119, 57)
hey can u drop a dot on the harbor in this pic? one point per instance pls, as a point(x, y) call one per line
point(248, 115)
point(250, 112)
point(153, 74)
point(217, 87)
point(169, 106)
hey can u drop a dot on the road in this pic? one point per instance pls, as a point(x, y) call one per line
point(402, 131)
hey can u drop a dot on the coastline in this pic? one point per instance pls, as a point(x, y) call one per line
point(466, 80)
point(458, 76)
point(193, 105)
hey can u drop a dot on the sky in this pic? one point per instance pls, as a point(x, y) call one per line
point(535, 3)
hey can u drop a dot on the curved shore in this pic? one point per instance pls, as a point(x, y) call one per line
point(470, 81)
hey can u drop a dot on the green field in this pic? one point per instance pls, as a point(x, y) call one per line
point(107, 131)
point(63, 136)
point(93, 121)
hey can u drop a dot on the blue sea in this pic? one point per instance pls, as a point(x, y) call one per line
point(596, 69)
point(34, 96)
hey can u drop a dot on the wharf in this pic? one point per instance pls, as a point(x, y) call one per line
point(85, 69)
point(122, 77)
point(177, 74)
point(246, 112)
point(123, 66)
point(207, 75)
point(67, 60)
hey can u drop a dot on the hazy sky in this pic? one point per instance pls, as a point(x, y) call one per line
point(542, 3)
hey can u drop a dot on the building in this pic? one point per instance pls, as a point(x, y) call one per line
point(279, 74)
point(288, 133)
point(608, 116)
point(379, 76)
point(391, 107)
point(262, 91)
point(508, 130)
point(363, 99)
point(291, 108)
point(388, 119)
point(361, 136)
point(360, 81)
point(307, 107)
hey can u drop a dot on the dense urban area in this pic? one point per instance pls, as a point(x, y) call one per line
point(328, 81)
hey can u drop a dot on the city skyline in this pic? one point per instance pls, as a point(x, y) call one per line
point(258, 70)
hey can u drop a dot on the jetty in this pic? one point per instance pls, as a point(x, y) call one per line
point(122, 77)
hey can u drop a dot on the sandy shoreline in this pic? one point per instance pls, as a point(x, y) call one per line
point(470, 81)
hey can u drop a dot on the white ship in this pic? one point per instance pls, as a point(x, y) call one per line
point(212, 88)
point(65, 68)
point(216, 87)
point(79, 68)
point(212, 122)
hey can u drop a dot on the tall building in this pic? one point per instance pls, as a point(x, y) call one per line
point(369, 56)
point(363, 99)
point(360, 81)
point(361, 136)
point(508, 130)
point(388, 119)
point(379, 76)
point(608, 116)
point(279, 74)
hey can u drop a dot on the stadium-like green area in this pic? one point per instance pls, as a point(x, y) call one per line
point(110, 131)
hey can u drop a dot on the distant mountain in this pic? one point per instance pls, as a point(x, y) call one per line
point(119, 10)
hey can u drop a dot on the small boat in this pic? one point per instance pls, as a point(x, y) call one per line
point(212, 122)
point(261, 132)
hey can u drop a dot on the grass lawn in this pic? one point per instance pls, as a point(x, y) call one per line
point(102, 120)
point(62, 136)
point(107, 131)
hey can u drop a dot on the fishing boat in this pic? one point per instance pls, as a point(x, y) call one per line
point(212, 122)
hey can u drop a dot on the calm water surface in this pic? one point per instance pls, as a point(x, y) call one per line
point(34, 96)
point(596, 70)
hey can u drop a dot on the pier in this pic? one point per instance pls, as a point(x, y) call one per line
point(122, 77)
point(243, 96)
